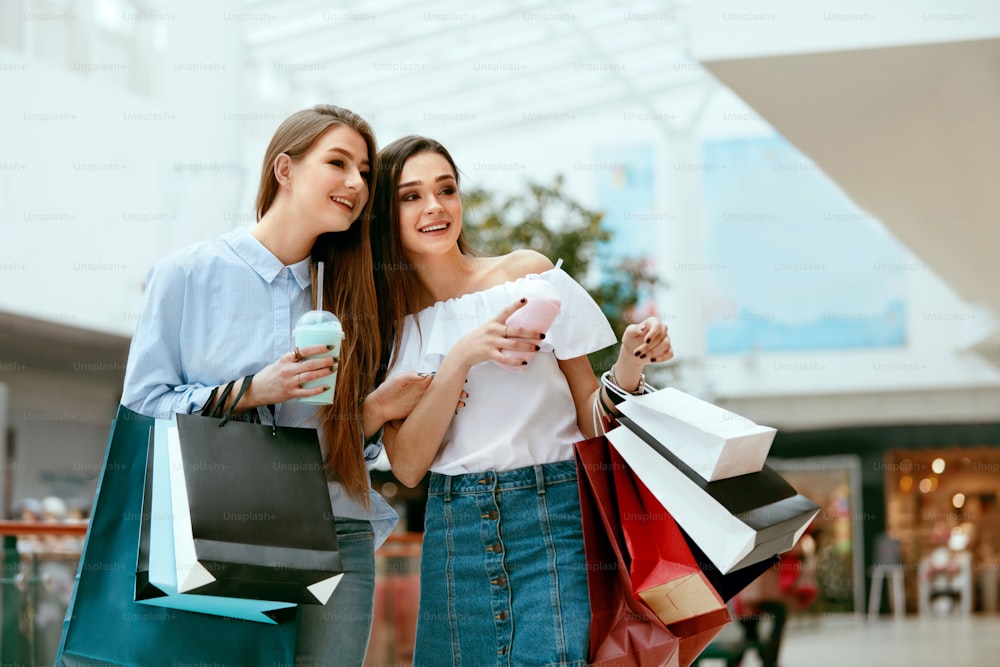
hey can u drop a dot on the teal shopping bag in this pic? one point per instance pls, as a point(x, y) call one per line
point(104, 625)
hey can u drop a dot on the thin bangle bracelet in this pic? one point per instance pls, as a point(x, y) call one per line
point(638, 391)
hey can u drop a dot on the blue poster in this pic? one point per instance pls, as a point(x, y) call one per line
point(795, 265)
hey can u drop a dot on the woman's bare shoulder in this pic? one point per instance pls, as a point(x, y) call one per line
point(520, 263)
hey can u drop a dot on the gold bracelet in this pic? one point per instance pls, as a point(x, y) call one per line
point(641, 389)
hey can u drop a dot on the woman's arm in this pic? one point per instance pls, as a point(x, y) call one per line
point(393, 400)
point(154, 385)
point(155, 382)
point(643, 343)
point(412, 443)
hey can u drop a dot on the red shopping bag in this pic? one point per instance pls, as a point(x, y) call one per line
point(623, 631)
point(664, 572)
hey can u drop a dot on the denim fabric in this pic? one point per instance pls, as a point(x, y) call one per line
point(337, 633)
point(503, 577)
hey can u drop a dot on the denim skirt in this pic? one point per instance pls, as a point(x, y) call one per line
point(503, 576)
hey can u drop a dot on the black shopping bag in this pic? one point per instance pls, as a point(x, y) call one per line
point(260, 512)
point(156, 578)
point(104, 625)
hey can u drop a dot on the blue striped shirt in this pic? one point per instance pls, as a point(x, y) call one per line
point(218, 311)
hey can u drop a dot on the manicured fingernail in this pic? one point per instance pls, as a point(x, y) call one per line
point(329, 347)
point(326, 387)
point(336, 359)
point(647, 341)
point(524, 363)
point(653, 359)
point(637, 353)
point(333, 368)
point(523, 300)
point(537, 348)
point(542, 336)
point(642, 356)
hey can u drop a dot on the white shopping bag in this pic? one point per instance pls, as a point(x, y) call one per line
point(736, 521)
point(714, 442)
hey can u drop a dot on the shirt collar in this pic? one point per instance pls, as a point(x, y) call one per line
point(261, 260)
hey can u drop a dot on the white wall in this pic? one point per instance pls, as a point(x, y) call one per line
point(97, 182)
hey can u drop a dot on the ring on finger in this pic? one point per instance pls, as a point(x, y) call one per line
point(298, 355)
point(298, 376)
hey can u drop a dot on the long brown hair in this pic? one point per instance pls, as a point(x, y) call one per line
point(395, 279)
point(348, 292)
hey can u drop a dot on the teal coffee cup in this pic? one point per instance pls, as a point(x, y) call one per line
point(319, 327)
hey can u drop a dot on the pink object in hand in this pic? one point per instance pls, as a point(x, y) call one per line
point(537, 315)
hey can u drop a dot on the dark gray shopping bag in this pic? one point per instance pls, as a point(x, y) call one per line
point(156, 578)
point(261, 521)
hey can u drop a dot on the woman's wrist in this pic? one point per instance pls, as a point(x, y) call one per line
point(373, 415)
point(627, 375)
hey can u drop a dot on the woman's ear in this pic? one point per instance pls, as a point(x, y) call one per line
point(283, 170)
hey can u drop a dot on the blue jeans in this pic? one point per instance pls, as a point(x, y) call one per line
point(503, 576)
point(337, 633)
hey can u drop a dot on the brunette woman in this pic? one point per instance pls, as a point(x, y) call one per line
point(503, 574)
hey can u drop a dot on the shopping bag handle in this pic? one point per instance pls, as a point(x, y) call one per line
point(213, 408)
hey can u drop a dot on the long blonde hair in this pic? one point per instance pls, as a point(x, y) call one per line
point(348, 292)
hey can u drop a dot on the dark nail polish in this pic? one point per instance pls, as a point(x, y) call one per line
point(642, 356)
point(653, 359)
point(329, 347)
point(333, 369)
point(542, 336)
point(537, 348)
point(647, 341)
point(637, 353)
point(326, 387)
point(524, 363)
point(336, 360)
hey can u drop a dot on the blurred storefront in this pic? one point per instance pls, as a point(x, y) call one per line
point(926, 494)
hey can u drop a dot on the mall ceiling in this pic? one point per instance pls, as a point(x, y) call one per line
point(489, 66)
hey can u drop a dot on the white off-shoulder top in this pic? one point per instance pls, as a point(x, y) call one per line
point(510, 420)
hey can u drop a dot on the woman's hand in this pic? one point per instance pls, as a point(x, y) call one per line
point(647, 341)
point(488, 341)
point(643, 343)
point(395, 399)
point(285, 378)
point(397, 396)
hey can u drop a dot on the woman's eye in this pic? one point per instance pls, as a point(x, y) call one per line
point(409, 196)
point(367, 175)
point(448, 191)
point(337, 163)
